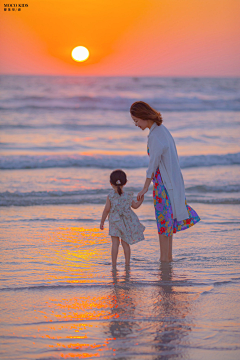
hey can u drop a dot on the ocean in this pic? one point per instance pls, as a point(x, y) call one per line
point(59, 297)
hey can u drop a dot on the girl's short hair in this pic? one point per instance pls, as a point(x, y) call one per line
point(142, 110)
point(118, 178)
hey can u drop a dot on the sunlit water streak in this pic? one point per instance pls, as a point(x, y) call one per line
point(59, 297)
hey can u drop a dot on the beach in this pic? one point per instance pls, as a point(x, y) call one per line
point(60, 298)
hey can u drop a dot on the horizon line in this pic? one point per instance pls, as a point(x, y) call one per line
point(127, 76)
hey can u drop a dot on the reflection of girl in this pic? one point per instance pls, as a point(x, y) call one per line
point(122, 306)
point(123, 222)
point(171, 210)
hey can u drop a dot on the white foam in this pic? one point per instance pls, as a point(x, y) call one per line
point(108, 161)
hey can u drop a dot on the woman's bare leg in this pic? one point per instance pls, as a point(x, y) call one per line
point(114, 252)
point(165, 247)
point(127, 252)
point(170, 239)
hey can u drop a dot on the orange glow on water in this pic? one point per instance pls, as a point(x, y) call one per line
point(78, 307)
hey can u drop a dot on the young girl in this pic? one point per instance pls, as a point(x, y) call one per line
point(172, 212)
point(123, 222)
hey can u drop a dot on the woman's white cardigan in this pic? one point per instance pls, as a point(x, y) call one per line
point(163, 154)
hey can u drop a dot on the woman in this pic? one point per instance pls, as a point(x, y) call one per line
point(171, 210)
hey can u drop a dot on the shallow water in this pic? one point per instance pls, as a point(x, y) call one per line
point(59, 297)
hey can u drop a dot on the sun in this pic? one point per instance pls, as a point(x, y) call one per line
point(80, 53)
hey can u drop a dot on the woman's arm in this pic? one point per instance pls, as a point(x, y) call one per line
point(136, 204)
point(156, 149)
point(105, 213)
point(145, 187)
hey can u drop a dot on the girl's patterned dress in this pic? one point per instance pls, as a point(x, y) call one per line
point(163, 209)
point(123, 222)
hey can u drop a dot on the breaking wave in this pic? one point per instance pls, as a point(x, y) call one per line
point(12, 162)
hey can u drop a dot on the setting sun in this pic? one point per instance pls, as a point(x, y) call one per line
point(80, 53)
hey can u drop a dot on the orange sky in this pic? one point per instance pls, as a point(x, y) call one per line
point(124, 37)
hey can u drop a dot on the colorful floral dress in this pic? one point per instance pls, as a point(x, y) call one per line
point(123, 222)
point(163, 210)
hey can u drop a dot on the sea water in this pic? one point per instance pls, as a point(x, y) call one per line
point(60, 298)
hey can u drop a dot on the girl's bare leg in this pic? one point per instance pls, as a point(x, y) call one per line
point(165, 247)
point(114, 252)
point(127, 252)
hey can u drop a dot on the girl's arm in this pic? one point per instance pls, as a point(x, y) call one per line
point(136, 204)
point(145, 188)
point(105, 213)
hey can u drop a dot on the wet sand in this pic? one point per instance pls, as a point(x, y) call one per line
point(60, 297)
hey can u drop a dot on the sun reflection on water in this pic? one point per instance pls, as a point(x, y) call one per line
point(74, 254)
point(82, 308)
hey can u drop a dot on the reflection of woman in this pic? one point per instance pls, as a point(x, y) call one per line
point(171, 210)
point(172, 307)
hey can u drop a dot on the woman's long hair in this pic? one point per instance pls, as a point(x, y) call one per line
point(142, 110)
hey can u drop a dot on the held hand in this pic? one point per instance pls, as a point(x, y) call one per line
point(141, 194)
